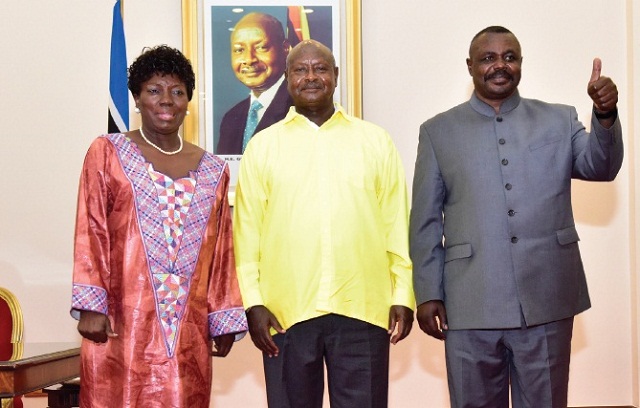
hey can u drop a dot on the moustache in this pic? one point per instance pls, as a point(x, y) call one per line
point(312, 85)
point(499, 74)
point(251, 69)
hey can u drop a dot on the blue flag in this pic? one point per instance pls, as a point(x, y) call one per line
point(118, 92)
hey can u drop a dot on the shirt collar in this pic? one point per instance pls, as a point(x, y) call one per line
point(267, 96)
point(338, 113)
point(485, 109)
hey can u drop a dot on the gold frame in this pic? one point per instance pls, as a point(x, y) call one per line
point(192, 47)
point(17, 323)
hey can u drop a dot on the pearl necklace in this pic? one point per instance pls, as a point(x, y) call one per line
point(158, 148)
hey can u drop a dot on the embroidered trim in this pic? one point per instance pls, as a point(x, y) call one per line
point(227, 321)
point(86, 297)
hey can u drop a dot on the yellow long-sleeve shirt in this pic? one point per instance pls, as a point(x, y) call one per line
point(321, 221)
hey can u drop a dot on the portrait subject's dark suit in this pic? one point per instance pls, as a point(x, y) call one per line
point(234, 121)
point(497, 187)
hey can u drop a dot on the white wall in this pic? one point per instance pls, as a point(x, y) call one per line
point(54, 84)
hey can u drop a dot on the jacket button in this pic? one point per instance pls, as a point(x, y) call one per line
point(514, 240)
point(499, 118)
point(511, 213)
point(508, 186)
point(502, 141)
point(505, 162)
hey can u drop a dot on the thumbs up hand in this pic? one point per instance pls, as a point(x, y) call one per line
point(602, 90)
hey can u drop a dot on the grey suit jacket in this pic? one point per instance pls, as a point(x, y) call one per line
point(492, 232)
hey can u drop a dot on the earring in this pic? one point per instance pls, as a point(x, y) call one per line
point(188, 112)
point(136, 110)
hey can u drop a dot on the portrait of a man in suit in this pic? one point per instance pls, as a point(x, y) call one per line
point(259, 51)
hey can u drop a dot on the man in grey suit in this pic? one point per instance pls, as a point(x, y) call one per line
point(497, 269)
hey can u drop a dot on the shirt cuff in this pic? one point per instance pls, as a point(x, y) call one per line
point(404, 297)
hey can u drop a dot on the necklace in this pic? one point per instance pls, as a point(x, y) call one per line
point(158, 148)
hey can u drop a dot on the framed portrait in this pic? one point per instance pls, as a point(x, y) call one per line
point(224, 40)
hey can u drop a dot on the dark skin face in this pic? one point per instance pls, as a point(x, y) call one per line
point(257, 56)
point(163, 105)
point(311, 80)
point(495, 63)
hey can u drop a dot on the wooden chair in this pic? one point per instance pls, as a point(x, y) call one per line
point(11, 329)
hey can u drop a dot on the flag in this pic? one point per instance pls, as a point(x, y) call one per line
point(297, 25)
point(118, 92)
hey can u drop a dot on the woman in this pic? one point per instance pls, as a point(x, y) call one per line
point(154, 283)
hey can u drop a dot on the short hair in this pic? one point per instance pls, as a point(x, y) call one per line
point(490, 29)
point(161, 60)
point(272, 25)
point(293, 53)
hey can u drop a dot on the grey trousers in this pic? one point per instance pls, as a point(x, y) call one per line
point(481, 364)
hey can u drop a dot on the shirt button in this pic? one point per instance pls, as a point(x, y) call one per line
point(505, 162)
point(499, 118)
point(511, 213)
point(514, 240)
point(502, 141)
point(508, 186)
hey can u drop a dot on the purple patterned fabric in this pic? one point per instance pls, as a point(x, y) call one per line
point(89, 298)
point(227, 321)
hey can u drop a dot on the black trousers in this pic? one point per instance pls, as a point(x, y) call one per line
point(355, 353)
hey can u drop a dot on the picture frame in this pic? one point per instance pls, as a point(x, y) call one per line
point(206, 31)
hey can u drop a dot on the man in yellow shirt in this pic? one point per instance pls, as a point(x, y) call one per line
point(320, 232)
